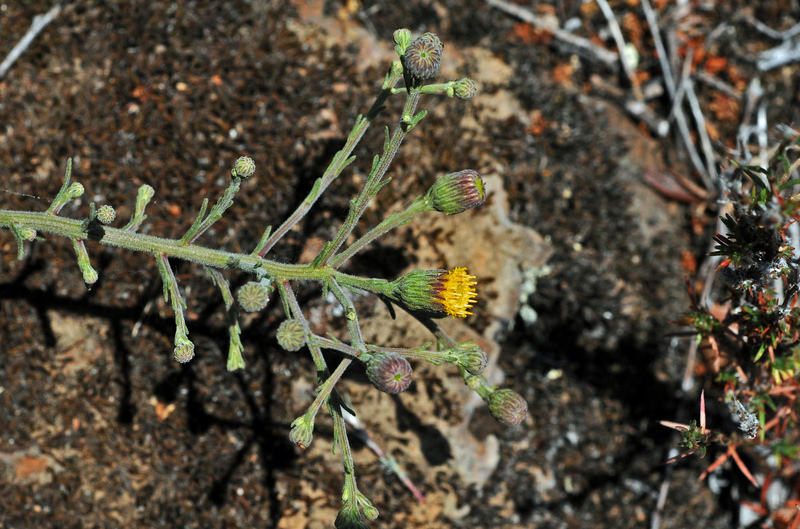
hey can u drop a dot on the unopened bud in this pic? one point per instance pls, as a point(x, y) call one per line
point(465, 88)
point(253, 296)
point(472, 360)
point(291, 335)
point(423, 57)
point(389, 372)
point(244, 167)
point(457, 192)
point(402, 38)
point(75, 190)
point(106, 214)
point(184, 350)
point(507, 406)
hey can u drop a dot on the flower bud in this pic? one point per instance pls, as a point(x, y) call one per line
point(389, 372)
point(302, 432)
point(291, 335)
point(253, 296)
point(349, 518)
point(27, 234)
point(465, 88)
point(507, 406)
point(437, 293)
point(184, 350)
point(74, 190)
point(244, 167)
point(423, 57)
point(402, 38)
point(106, 214)
point(472, 360)
point(457, 192)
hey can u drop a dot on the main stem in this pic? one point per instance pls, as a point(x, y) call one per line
point(75, 229)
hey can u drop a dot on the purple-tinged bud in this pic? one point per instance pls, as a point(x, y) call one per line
point(389, 372)
point(465, 88)
point(507, 406)
point(423, 57)
point(457, 192)
point(291, 335)
point(253, 296)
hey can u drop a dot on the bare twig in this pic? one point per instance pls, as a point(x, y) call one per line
point(769, 32)
point(624, 59)
point(700, 120)
point(663, 57)
point(718, 84)
point(583, 47)
point(786, 53)
point(683, 126)
point(38, 24)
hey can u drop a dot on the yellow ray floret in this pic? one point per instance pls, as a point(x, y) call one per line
point(457, 294)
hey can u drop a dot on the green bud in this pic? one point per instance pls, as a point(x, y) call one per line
point(465, 88)
point(457, 192)
point(146, 193)
point(235, 360)
point(302, 432)
point(106, 214)
point(244, 167)
point(291, 335)
point(423, 57)
point(74, 190)
point(472, 360)
point(349, 518)
point(27, 234)
point(84, 264)
point(402, 37)
point(389, 372)
point(253, 296)
point(184, 349)
point(507, 406)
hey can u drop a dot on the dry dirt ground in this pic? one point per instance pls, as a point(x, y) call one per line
point(581, 264)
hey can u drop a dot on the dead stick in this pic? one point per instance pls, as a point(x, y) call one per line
point(624, 59)
point(38, 24)
point(584, 47)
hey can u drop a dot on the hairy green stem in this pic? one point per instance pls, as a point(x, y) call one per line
point(420, 205)
point(374, 181)
point(340, 160)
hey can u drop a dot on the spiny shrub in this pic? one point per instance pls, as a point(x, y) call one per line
point(750, 338)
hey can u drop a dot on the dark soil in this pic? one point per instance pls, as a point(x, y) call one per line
point(100, 427)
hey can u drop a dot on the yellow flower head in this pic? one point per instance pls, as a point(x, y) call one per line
point(457, 293)
point(437, 293)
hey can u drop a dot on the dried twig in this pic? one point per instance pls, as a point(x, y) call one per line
point(624, 59)
point(663, 57)
point(583, 47)
point(769, 32)
point(705, 141)
point(38, 24)
point(718, 84)
point(786, 53)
